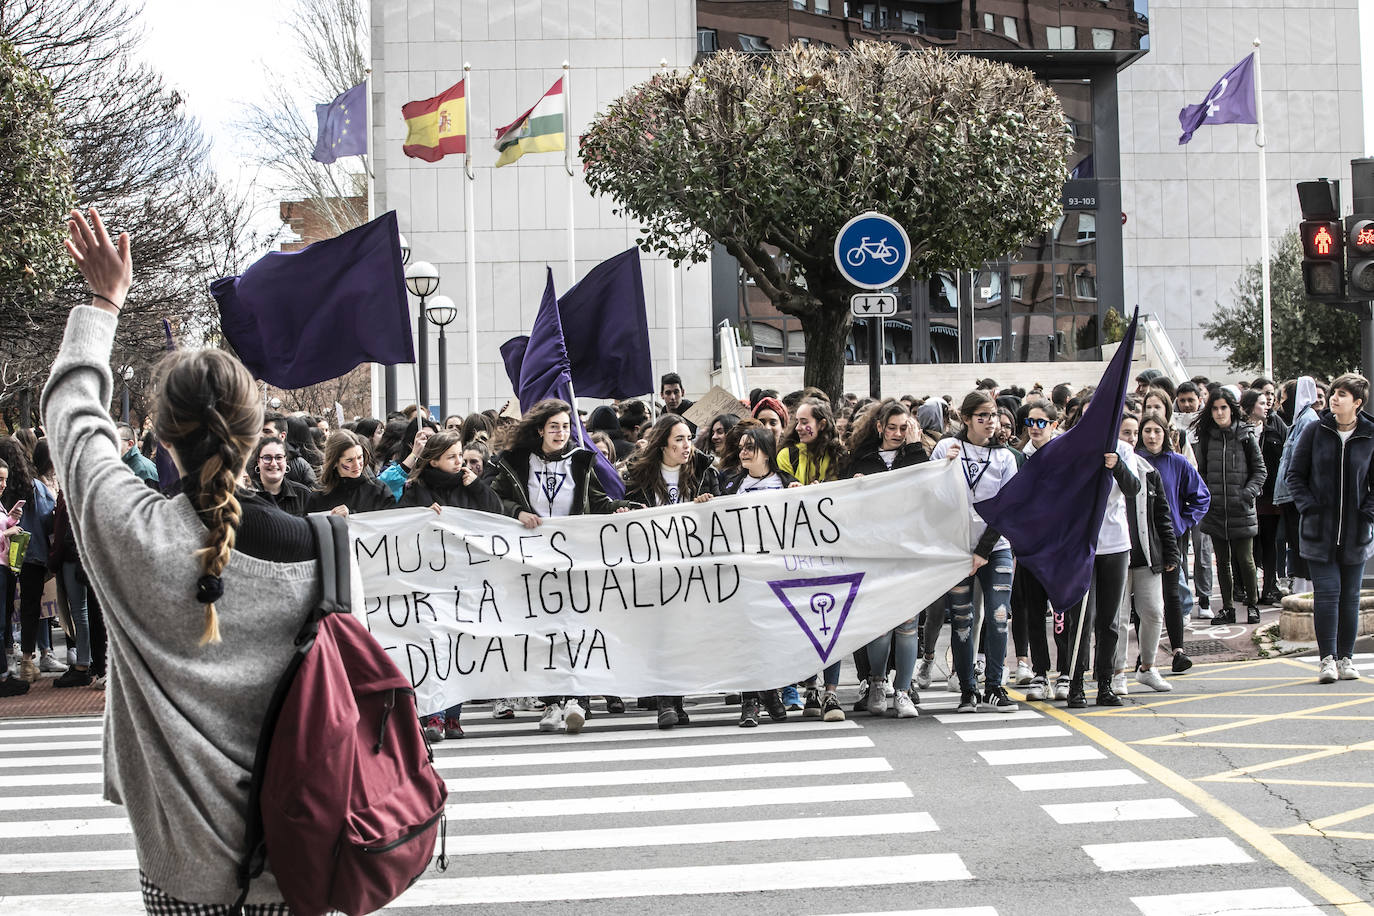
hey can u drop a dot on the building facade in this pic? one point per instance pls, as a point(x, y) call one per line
point(1146, 222)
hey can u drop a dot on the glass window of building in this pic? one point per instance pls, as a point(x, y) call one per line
point(1009, 28)
point(1103, 39)
point(756, 43)
point(989, 22)
point(707, 42)
point(823, 7)
point(798, 4)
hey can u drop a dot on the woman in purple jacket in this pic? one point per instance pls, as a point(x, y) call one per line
point(1188, 501)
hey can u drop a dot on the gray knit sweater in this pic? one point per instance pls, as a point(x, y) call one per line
point(181, 720)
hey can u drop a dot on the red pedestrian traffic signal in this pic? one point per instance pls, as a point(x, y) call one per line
point(1323, 262)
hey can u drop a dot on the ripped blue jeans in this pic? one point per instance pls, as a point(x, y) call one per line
point(995, 579)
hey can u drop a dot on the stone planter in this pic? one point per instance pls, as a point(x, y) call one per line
point(1295, 620)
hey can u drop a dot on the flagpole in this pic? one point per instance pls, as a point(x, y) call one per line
point(388, 374)
point(568, 167)
point(1077, 635)
point(470, 216)
point(1264, 218)
point(672, 289)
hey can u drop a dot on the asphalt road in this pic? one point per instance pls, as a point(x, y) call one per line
point(1246, 790)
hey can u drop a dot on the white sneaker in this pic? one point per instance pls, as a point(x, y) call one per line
point(552, 720)
point(1119, 684)
point(1154, 680)
point(98, 682)
point(1023, 674)
point(573, 716)
point(1037, 689)
point(951, 683)
point(529, 704)
point(1326, 674)
point(876, 702)
point(504, 709)
point(1202, 613)
point(923, 673)
point(905, 709)
point(980, 670)
point(1346, 671)
point(1061, 687)
point(71, 657)
point(50, 665)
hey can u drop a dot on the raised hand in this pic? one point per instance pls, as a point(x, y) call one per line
point(107, 265)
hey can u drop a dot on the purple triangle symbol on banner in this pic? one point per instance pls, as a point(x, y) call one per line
point(820, 606)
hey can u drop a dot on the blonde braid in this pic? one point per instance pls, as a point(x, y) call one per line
point(220, 509)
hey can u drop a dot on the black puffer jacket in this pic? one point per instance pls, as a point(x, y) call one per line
point(1272, 437)
point(436, 486)
point(870, 462)
point(700, 478)
point(513, 473)
point(1233, 469)
point(1332, 484)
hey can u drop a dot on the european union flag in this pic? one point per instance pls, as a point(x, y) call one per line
point(343, 126)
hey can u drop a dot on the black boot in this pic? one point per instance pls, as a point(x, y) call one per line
point(667, 715)
point(1077, 698)
point(682, 717)
point(1105, 695)
point(1225, 615)
point(772, 701)
point(749, 711)
point(1252, 614)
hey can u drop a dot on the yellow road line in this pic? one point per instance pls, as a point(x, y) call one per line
point(1164, 741)
point(1346, 817)
point(1315, 783)
point(1244, 691)
point(1263, 719)
point(1304, 830)
point(1262, 840)
point(1290, 761)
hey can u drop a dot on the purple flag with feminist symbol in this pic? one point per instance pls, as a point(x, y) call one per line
point(538, 368)
point(1230, 101)
point(1051, 511)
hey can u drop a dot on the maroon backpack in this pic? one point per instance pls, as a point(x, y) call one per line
point(345, 803)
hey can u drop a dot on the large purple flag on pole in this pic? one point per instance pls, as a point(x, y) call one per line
point(1230, 101)
point(606, 328)
point(1051, 511)
point(302, 317)
point(538, 368)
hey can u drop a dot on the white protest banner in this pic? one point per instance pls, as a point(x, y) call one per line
point(739, 593)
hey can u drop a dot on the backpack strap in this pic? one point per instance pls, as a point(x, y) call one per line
point(331, 540)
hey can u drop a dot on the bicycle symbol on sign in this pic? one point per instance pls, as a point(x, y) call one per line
point(879, 250)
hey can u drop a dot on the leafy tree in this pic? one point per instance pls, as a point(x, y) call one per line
point(769, 156)
point(1309, 338)
point(35, 187)
point(138, 155)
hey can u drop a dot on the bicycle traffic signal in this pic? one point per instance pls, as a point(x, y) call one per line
point(1359, 237)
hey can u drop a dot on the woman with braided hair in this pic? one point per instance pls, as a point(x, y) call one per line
point(202, 606)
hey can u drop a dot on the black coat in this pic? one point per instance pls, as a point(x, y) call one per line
point(1233, 469)
point(433, 486)
point(1272, 437)
point(870, 462)
point(700, 477)
point(1332, 484)
point(359, 494)
point(294, 499)
point(512, 481)
point(730, 484)
point(1159, 534)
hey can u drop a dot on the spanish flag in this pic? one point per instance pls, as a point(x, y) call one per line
point(539, 130)
point(438, 126)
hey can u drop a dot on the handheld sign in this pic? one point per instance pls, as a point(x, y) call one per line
point(872, 251)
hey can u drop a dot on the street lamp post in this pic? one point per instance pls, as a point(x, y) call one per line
point(127, 373)
point(390, 374)
point(422, 279)
point(441, 312)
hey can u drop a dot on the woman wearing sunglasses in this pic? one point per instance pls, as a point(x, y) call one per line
point(1029, 601)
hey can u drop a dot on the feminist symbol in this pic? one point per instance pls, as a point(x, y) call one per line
point(550, 483)
point(821, 603)
point(817, 595)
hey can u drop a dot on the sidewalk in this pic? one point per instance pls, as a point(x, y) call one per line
point(43, 700)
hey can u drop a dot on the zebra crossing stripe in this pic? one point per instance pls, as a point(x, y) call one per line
point(677, 881)
point(1259, 901)
point(674, 752)
point(1173, 853)
point(1138, 809)
point(726, 773)
point(1022, 755)
point(543, 739)
point(1014, 734)
point(1075, 779)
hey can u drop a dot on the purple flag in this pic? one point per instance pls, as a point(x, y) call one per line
point(342, 126)
point(302, 317)
point(1041, 510)
point(606, 328)
point(538, 368)
point(1230, 101)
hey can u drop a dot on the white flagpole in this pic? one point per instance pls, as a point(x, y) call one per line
point(568, 167)
point(378, 373)
point(1264, 219)
point(470, 218)
point(672, 290)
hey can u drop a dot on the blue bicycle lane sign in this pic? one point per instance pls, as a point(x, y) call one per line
point(872, 251)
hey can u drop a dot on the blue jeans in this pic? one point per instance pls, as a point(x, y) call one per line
point(76, 606)
point(1336, 606)
point(994, 577)
point(906, 635)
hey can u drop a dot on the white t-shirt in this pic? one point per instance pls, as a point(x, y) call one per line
point(750, 483)
point(550, 486)
point(986, 470)
point(671, 479)
point(1115, 534)
point(1344, 434)
point(887, 454)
